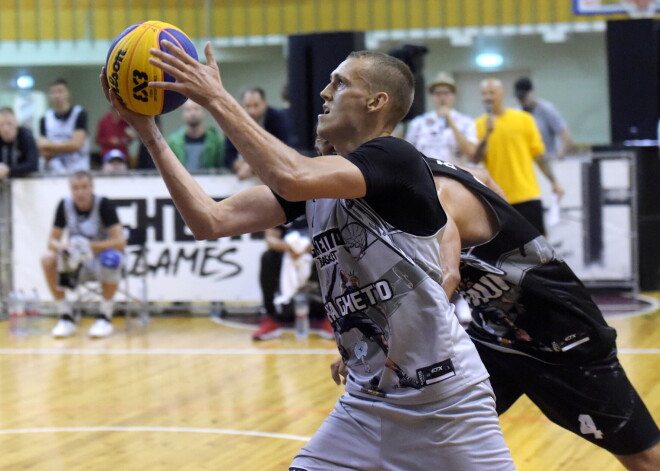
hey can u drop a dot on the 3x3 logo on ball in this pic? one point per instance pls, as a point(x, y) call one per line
point(141, 81)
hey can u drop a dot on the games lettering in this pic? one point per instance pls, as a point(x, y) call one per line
point(172, 249)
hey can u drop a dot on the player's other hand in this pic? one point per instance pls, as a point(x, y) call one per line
point(338, 371)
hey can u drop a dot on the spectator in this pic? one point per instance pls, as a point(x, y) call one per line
point(114, 161)
point(197, 145)
point(556, 135)
point(444, 133)
point(18, 149)
point(272, 120)
point(63, 142)
point(509, 144)
point(112, 132)
point(280, 314)
point(92, 250)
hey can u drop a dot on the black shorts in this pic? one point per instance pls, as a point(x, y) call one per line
point(532, 210)
point(595, 401)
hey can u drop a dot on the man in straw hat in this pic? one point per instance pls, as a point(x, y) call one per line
point(444, 133)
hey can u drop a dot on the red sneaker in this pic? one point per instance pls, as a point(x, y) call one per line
point(268, 329)
point(323, 329)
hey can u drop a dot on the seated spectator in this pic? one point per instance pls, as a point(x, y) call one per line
point(114, 161)
point(92, 250)
point(196, 145)
point(112, 132)
point(18, 149)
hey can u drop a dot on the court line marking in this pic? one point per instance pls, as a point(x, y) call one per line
point(215, 431)
point(163, 351)
point(228, 351)
point(640, 351)
point(654, 305)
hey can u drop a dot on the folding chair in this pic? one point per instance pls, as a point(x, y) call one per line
point(132, 286)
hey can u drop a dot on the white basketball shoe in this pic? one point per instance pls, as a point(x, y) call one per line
point(64, 328)
point(102, 327)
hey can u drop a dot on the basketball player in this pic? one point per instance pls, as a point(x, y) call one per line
point(368, 214)
point(536, 327)
point(91, 225)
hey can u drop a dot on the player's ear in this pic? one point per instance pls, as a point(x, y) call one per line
point(377, 101)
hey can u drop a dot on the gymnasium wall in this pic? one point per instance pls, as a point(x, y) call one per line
point(62, 20)
point(571, 74)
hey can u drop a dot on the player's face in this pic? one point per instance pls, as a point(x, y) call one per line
point(8, 127)
point(255, 105)
point(192, 113)
point(82, 192)
point(58, 95)
point(442, 95)
point(346, 98)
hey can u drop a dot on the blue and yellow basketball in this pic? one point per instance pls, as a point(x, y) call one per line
point(129, 72)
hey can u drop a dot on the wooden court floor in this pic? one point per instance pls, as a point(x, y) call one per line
point(188, 394)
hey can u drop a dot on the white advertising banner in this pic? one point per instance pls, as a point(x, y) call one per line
point(568, 234)
point(179, 268)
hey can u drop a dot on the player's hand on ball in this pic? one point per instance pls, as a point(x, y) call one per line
point(199, 82)
point(141, 123)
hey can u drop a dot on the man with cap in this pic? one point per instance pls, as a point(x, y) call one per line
point(444, 133)
point(554, 131)
point(114, 161)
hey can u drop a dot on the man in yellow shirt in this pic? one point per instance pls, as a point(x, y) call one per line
point(509, 144)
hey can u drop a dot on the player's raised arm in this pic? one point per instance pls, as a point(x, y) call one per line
point(290, 174)
point(248, 211)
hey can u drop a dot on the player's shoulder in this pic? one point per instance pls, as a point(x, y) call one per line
point(390, 144)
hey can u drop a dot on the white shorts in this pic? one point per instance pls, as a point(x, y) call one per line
point(458, 433)
point(93, 270)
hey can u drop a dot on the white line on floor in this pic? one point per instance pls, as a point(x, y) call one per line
point(152, 429)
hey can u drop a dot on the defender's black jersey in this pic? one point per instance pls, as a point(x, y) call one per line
point(523, 298)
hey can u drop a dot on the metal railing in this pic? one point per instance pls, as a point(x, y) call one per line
point(5, 244)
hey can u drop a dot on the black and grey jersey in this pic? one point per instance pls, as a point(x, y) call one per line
point(90, 224)
point(524, 299)
point(379, 272)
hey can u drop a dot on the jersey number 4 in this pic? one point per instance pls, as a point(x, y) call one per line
point(588, 426)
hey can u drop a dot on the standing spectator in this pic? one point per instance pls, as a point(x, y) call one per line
point(85, 243)
point(444, 133)
point(273, 270)
point(18, 149)
point(196, 145)
point(112, 132)
point(509, 144)
point(272, 120)
point(556, 135)
point(64, 142)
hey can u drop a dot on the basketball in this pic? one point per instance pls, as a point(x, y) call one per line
point(129, 72)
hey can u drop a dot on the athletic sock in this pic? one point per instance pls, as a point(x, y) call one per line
point(64, 308)
point(107, 307)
